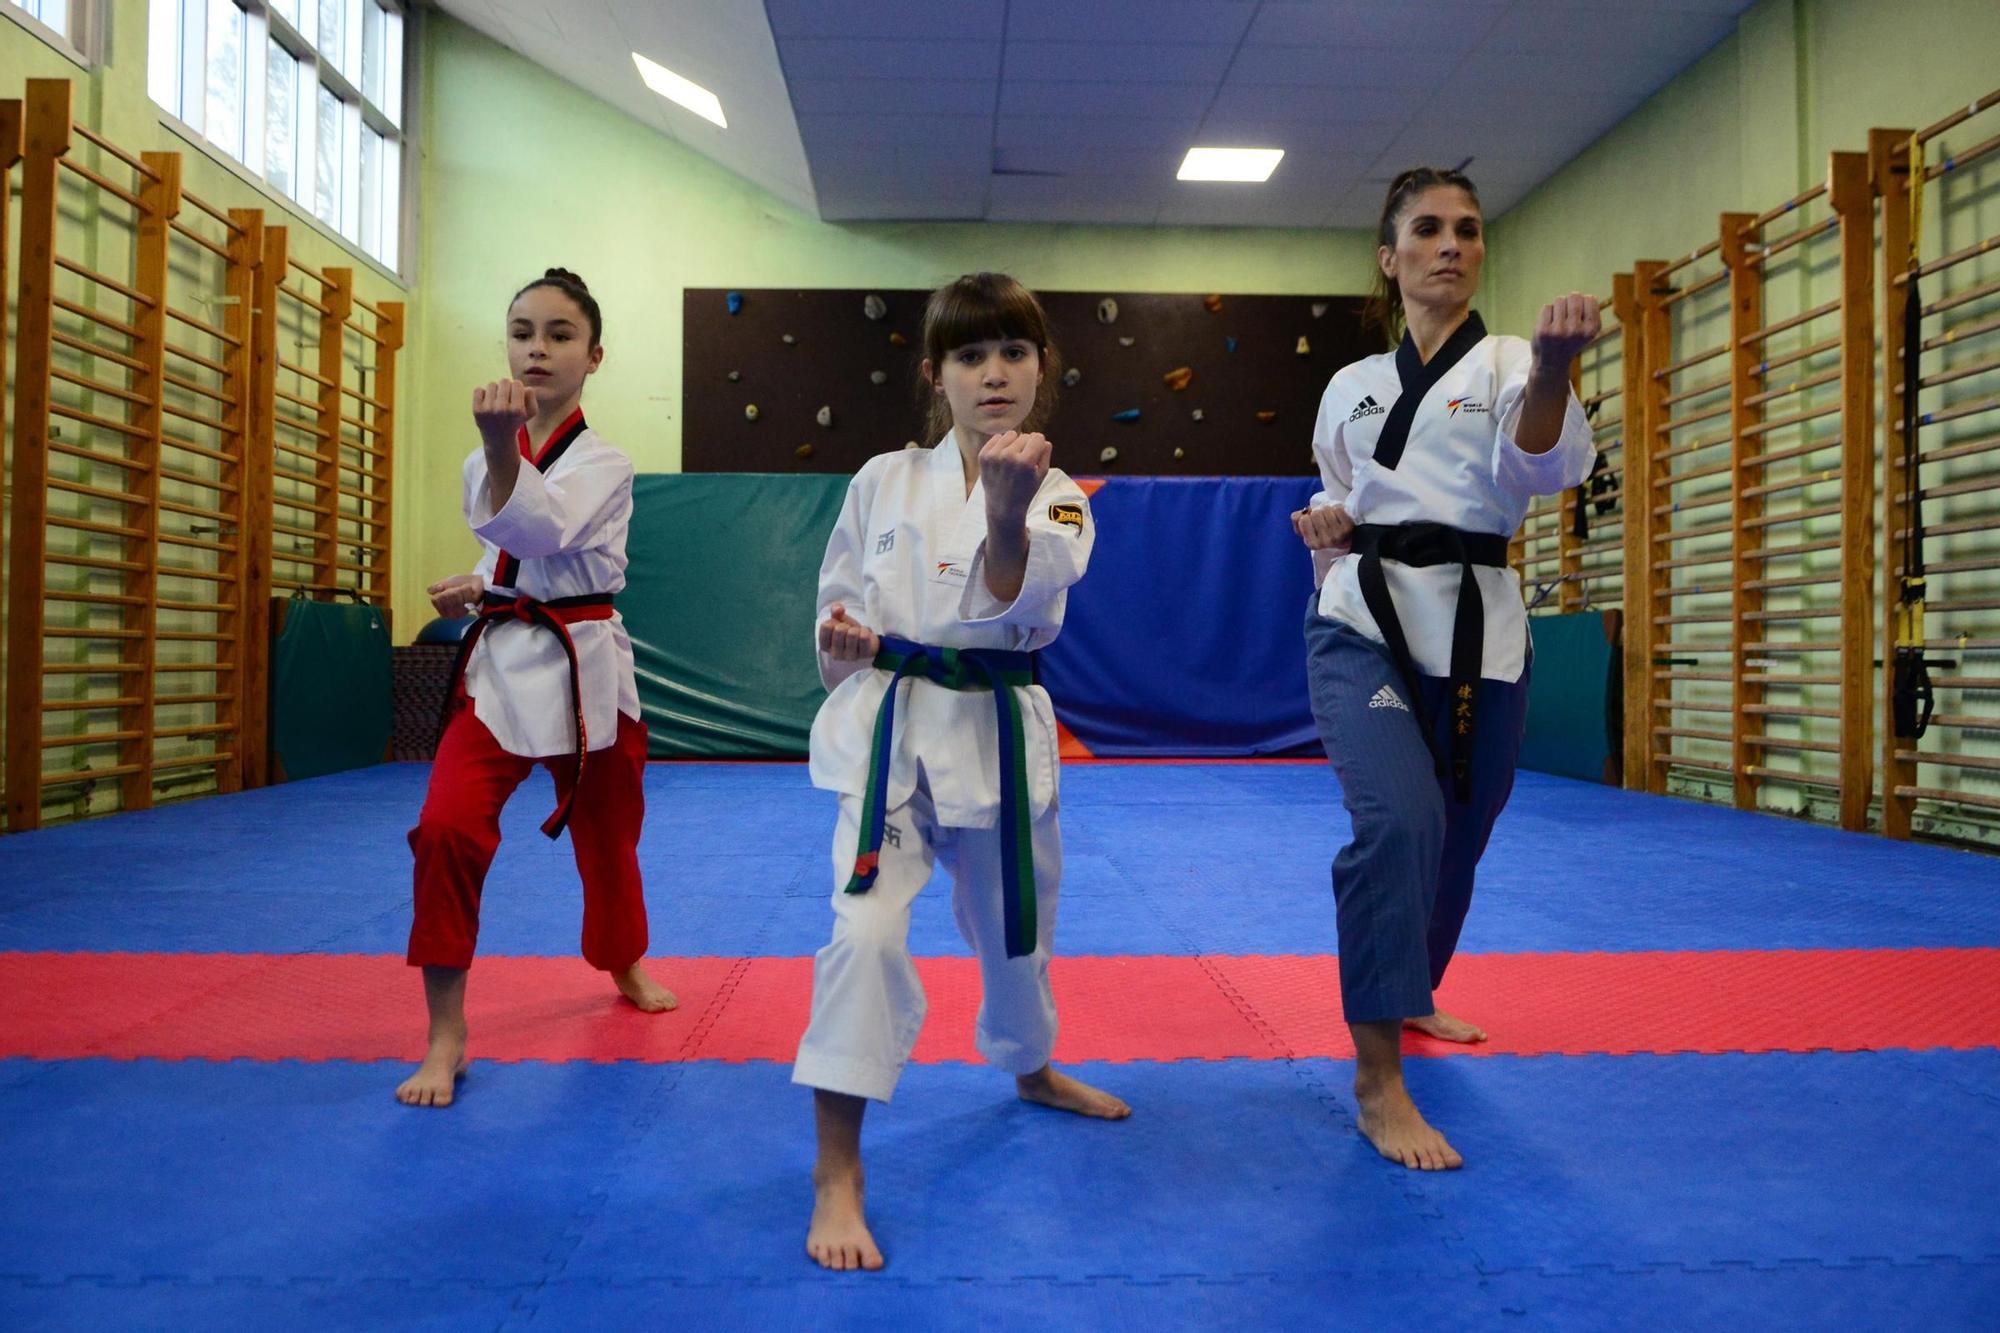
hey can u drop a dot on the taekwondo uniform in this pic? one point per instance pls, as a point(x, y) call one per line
point(943, 748)
point(1417, 641)
point(547, 671)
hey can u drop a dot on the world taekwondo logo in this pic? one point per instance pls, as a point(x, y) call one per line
point(1367, 407)
point(1387, 698)
point(1470, 405)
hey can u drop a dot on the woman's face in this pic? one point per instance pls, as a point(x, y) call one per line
point(1440, 248)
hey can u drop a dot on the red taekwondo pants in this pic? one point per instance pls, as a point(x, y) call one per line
point(459, 831)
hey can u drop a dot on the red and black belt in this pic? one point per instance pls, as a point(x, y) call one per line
point(555, 615)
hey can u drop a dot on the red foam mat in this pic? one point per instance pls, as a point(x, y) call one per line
point(366, 1007)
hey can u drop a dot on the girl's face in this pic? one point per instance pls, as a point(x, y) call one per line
point(991, 385)
point(548, 345)
point(1440, 247)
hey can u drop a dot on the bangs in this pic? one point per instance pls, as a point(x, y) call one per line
point(979, 307)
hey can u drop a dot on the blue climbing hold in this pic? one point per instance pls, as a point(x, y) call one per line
point(1230, 343)
point(734, 301)
point(1129, 414)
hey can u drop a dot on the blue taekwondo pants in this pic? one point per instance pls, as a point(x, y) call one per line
point(1402, 886)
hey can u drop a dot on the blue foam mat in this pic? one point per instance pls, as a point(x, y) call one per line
point(1160, 859)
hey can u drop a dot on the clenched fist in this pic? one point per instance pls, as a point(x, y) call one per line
point(500, 410)
point(457, 595)
point(1327, 528)
point(1011, 467)
point(1567, 326)
point(845, 639)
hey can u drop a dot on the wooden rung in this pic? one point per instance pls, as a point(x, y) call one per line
point(1943, 262)
point(1827, 478)
point(176, 539)
point(1985, 761)
point(77, 775)
point(198, 418)
point(96, 492)
point(195, 729)
point(1705, 648)
point(1797, 516)
point(1962, 566)
point(1796, 779)
point(372, 402)
point(101, 423)
point(216, 757)
point(1672, 424)
point(1970, 486)
point(1953, 333)
point(1783, 710)
point(203, 668)
point(1774, 681)
point(1792, 358)
point(1683, 673)
point(368, 426)
point(85, 632)
point(1775, 743)
point(201, 450)
point(189, 479)
point(84, 598)
point(1796, 418)
point(1690, 706)
point(1803, 317)
point(196, 511)
point(94, 386)
point(1695, 360)
point(130, 293)
point(91, 668)
point(1784, 552)
point(1694, 734)
point(94, 562)
point(1976, 799)
point(1684, 761)
point(194, 636)
point(171, 700)
point(216, 332)
point(214, 395)
point(1798, 581)
point(290, 422)
point(198, 608)
point(297, 452)
point(304, 374)
point(1758, 223)
point(310, 405)
point(91, 705)
point(77, 740)
point(1796, 386)
point(1955, 299)
point(1754, 648)
point(291, 531)
point(1961, 605)
point(1797, 451)
point(187, 233)
point(1719, 618)
point(1699, 390)
point(100, 529)
point(206, 575)
point(99, 318)
point(1692, 446)
point(1950, 529)
point(1692, 533)
point(369, 473)
point(84, 348)
point(1951, 374)
point(206, 363)
point(1765, 252)
point(1695, 289)
point(1671, 591)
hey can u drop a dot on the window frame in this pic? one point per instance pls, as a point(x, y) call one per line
point(266, 27)
point(79, 45)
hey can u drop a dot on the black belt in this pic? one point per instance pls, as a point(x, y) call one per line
point(1418, 545)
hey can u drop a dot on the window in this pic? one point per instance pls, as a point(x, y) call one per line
point(54, 14)
point(63, 24)
point(306, 94)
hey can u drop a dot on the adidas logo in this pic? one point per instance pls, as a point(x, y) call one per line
point(1367, 407)
point(1387, 698)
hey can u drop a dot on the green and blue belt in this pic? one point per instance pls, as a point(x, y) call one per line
point(961, 669)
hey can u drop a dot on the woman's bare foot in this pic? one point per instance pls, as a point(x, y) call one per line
point(1046, 1087)
point(1445, 1027)
point(839, 1237)
point(649, 995)
point(1391, 1122)
point(436, 1081)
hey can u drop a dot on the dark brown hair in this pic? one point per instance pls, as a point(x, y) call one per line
point(573, 287)
point(1385, 301)
point(973, 309)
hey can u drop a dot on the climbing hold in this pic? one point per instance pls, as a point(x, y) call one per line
point(734, 301)
point(735, 376)
point(1229, 344)
point(1199, 415)
point(803, 451)
point(1212, 302)
point(874, 306)
point(1109, 454)
point(878, 377)
point(898, 340)
point(1129, 414)
point(1072, 377)
point(1303, 348)
point(824, 416)
point(750, 412)
point(1318, 309)
point(1127, 342)
point(1267, 417)
point(1178, 378)
point(788, 340)
point(1107, 311)
point(1179, 454)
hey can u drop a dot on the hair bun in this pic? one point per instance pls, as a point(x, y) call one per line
point(566, 276)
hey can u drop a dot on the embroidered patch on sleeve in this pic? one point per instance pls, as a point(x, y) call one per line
point(1067, 515)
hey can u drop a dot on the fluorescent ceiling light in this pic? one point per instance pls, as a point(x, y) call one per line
point(680, 91)
point(1230, 164)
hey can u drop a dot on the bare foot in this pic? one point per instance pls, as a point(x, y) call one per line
point(649, 995)
point(839, 1237)
point(1399, 1131)
point(1445, 1027)
point(1046, 1087)
point(436, 1080)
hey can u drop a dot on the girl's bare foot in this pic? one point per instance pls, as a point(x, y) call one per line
point(1391, 1122)
point(436, 1081)
point(1445, 1027)
point(1046, 1087)
point(649, 995)
point(839, 1237)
